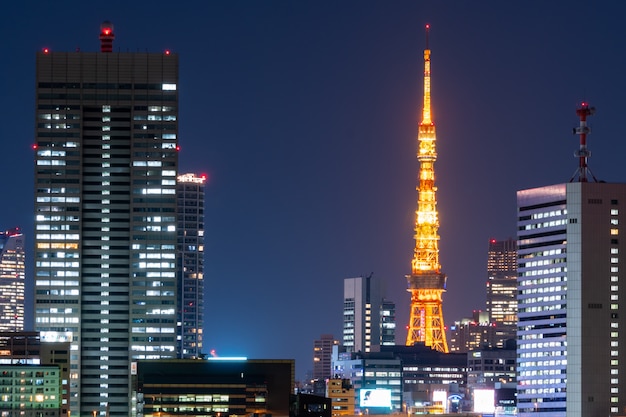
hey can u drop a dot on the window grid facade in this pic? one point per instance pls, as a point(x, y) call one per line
point(190, 196)
point(569, 271)
point(105, 217)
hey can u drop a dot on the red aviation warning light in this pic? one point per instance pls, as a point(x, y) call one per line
point(106, 37)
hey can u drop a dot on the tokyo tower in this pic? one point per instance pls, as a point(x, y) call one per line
point(426, 282)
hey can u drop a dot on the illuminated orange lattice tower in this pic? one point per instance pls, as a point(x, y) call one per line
point(426, 282)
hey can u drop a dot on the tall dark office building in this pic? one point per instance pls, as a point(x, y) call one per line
point(105, 216)
point(190, 196)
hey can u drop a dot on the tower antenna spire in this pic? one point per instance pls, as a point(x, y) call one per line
point(426, 283)
point(583, 171)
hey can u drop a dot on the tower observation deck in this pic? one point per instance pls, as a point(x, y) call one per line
point(426, 283)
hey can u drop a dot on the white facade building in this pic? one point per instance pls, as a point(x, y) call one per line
point(571, 262)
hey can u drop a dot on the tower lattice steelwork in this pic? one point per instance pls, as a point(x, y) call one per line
point(426, 282)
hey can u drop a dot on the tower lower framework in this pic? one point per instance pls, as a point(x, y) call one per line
point(426, 321)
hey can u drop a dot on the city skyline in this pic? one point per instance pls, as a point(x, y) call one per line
point(306, 121)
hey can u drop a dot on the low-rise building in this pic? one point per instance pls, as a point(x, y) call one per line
point(214, 386)
point(341, 394)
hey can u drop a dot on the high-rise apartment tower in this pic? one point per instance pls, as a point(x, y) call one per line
point(105, 205)
point(190, 196)
point(12, 281)
point(426, 283)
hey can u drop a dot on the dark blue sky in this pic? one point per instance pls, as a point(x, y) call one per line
point(304, 114)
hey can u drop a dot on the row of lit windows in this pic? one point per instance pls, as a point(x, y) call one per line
point(536, 309)
point(540, 345)
point(165, 117)
point(542, 281)
point(64, 283)
point(58, 274)
point(542, 382)
point(550, 252)
point(543, 262)
point(533, 391)
point(65, 319)
point(552, 223)
point(543, 372)
point(536, 272)
point(58, 199)
point(153, 330)
point(552, 362)
point(58, 116)
point(152, 348)
point(541, 290)
point(58, 264)
point(429, 369)
point(552, 213)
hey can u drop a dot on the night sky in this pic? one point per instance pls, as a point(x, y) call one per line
point(304, 115)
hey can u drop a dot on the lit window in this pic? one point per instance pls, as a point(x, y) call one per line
point(169, 87)
point(614, 232)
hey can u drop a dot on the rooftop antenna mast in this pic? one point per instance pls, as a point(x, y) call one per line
point(583, 171)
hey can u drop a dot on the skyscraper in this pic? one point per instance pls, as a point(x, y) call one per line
point(11, 281)
point(571, 283)
point(190, 196)
point(368, 318)
point(426, 283)
point(105, 203)
point(502, 289)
